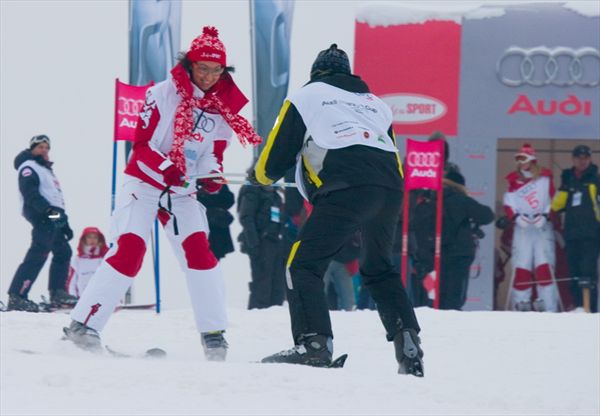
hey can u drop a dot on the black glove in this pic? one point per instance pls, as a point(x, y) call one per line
point(252, 178)
point(68, 232)
point(57, 217)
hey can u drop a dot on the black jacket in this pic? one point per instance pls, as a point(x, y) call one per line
point(342, 168)
point(582, 218)
point(460, 213)
point(34, 204)
point(219, 218)
point(260, 213)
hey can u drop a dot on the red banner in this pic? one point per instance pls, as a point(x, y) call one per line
point(424, 166)
point(424, 169)
point(129, 101)
point(415, 69)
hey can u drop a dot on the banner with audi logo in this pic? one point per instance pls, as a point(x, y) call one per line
point(129, 101)
point(424, 165)
point(415, 70)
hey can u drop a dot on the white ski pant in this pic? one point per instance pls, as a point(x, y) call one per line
point(533, 258)
point(132, 222)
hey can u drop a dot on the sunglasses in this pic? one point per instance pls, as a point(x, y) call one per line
point(522, 159)
point(204, 70)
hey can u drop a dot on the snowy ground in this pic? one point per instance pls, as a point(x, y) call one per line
point(480, 363)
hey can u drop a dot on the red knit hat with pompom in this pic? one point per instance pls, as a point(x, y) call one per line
point(208, 47)
point(526, 154)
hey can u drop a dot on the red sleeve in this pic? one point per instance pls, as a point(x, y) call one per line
point(219, 151)
point(142, 148)
point(509, 212)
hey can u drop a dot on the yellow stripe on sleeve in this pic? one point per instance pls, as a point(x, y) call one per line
point(260, 168)
point(559, 201)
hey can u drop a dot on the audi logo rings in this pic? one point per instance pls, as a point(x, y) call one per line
point(424, 159)
point(130, 107)
point(540, 66)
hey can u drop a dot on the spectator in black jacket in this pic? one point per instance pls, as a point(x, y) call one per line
point(259, 212)
point(219, 219)
point(44, 208)
point(461, 218)
point(579, 198)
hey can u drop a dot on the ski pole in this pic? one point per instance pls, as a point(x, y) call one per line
point(241, 181)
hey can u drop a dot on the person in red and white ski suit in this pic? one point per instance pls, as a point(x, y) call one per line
point(90, 251)
point(182, 132)
point(527, 203)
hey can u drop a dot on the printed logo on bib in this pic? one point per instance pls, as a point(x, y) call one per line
point(26, 172)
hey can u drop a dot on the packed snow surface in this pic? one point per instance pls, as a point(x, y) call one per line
point(478, 363)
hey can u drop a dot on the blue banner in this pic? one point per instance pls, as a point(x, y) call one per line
point(154, 37)
point(271, 31)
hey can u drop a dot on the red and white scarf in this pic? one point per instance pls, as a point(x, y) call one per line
point(224, 98)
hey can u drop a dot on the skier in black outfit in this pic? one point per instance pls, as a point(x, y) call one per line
point(43, 207)
point(219, 219)
point(350, 170)
point(259, 212)
point(579, 198)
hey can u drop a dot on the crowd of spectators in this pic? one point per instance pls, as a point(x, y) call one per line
point(537, 222)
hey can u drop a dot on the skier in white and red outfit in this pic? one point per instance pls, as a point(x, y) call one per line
point(527, 203)
point(90, 251)
point(182, 132)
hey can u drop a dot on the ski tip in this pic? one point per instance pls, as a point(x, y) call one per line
point(339, 362)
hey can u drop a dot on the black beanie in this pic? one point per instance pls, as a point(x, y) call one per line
point(331, 60)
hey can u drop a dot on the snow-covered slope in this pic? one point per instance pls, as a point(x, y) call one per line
point(479, 363)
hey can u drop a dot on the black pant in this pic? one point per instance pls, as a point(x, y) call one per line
point(267, 287)
point(334, 219)
point(454, 282)
point(44, 239)
point(582, 257)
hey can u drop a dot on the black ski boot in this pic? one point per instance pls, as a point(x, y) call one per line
point(313, 350)
point(215, 345)
point(83, 336)
point(21, 303)
point(61, 299)
point(409, 353)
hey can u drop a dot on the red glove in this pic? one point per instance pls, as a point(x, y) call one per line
point(173, 176)
point(211, 185)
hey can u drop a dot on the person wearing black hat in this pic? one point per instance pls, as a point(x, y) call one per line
point(462, 216)
point(340, 136)
point(579, 198)
point(44, 208)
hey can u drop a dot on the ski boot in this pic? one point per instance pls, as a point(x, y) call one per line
point(61, 299)
point(83, 336)
point(215, 346)
point(314, 350)
point(539, 305)
point(523, 306)
point(21, 303)
point(408, 353)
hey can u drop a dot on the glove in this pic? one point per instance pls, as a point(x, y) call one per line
point(210, 185)
point(539, 220)
point(57, 217)
point(173, 176)
point(521, 221)
point(68, 232)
